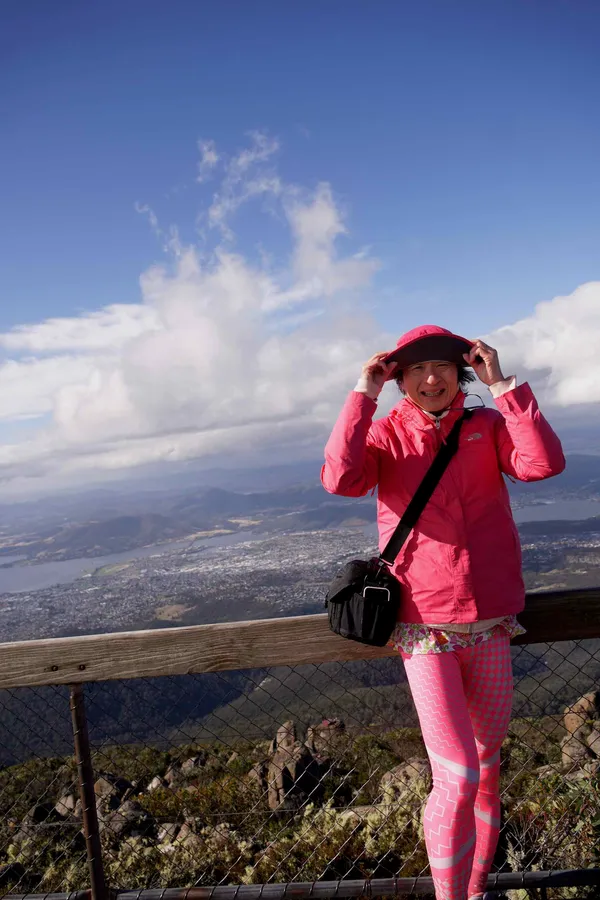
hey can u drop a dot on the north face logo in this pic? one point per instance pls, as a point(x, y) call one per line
point(474, 437)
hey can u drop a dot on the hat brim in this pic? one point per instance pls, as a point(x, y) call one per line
point(434, 346)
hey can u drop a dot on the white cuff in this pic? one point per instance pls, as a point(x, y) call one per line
point(503, 387)
point(364, 386)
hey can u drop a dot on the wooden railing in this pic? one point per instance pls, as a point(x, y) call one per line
point(297, 640)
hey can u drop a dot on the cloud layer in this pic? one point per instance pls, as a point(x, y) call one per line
point(558, 348)
point(221, 356)
point(224, 357)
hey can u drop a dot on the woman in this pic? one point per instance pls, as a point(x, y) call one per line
point(460, 570)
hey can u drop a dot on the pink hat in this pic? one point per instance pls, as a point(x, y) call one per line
point(429, 342)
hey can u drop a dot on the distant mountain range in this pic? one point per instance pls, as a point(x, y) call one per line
point(200, 511)
point(106, 521)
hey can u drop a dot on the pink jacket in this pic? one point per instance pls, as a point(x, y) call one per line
point(462, 562)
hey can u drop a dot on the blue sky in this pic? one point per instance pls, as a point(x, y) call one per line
point(460, 140)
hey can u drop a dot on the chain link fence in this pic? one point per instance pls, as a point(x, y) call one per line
point(288, 774)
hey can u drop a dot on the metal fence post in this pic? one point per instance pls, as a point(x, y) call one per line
point(86, 791)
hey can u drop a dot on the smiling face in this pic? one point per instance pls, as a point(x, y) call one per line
point(432, 385)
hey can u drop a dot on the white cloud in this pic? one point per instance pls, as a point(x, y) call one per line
point(169, 240)
point(209, 158)
point(316, 227)
point(221, 356)
point(28, 388)
point(557, 348)
point(226, 358)
point(238, 187)
point(105, 329)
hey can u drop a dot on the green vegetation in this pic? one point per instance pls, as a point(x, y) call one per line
point(209, 816)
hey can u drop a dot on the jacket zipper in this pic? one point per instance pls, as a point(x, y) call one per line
point(438, 428)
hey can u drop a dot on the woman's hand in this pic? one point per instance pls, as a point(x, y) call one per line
point(374, 375)
point(483, 359)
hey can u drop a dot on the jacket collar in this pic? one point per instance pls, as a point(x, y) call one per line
point(412, 416)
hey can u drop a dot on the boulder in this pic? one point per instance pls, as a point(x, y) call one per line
point(111, 791)
point(285, 738)
point(407, 785)
point(172, 776)
point(589, 770)
point(41, 812)
point(582, 711)
point(108, 784)
point(593, 739)
point(187, 837)
point(129, 820)
point(292, 774)
point(179, 774)
point(321, 739)
point(156, 783)
point(258, 776)
point(574, 750)
point(168, 831)
point(66, 805)
point(195, 762)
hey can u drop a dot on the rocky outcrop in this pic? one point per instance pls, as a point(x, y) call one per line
point(257, 775)
point(167, 832)
point(580, 713)
point(580, 747)
point(66, 805)
point(180, 773)
point(293, 772)
point(593, 738)
point(111, 790)
point(156, 783)
point(323, 739)
point(128, 820)
point(189, 766)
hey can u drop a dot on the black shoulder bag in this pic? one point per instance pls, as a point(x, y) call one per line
point(364, 597)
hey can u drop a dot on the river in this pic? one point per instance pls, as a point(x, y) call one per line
point(558, 511)
point(18, 579)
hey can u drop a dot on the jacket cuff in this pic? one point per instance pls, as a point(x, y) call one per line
point(519, 400)
point(360, 399)
point(365, 386)
point(503, 387)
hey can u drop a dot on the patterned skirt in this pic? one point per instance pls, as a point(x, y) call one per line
point(414, 637)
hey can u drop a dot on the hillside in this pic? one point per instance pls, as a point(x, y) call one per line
point(322, 802)
point(203, 511)
point(558, 527)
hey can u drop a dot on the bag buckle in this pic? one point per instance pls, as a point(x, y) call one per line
point(380, 566)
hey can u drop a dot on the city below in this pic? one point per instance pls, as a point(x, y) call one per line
point(258, 577)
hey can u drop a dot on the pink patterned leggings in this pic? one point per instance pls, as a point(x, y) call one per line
point(463, 699)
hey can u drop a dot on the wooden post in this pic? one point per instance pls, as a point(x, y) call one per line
point(85, 774)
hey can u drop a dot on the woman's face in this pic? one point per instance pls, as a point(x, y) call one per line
point(431, 385)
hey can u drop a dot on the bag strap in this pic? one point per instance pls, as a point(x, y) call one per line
point(423, 493)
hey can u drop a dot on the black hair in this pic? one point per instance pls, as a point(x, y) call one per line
point(464, 374)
